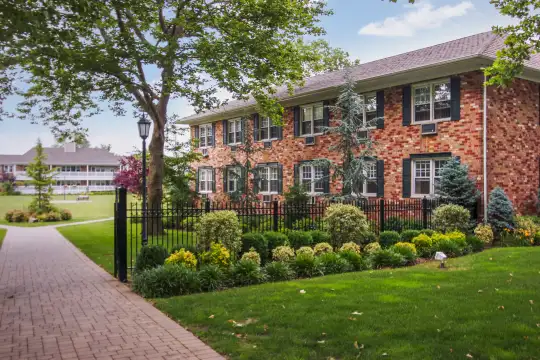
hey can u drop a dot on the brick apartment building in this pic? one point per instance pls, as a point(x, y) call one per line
point(430, 104)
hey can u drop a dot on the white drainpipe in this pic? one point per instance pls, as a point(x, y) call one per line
point(485, 151)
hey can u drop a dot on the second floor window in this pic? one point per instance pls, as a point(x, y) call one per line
point(312, 178)
point(206, 179)
point(426, 175)
point(431, 101)
point(269, 179)
point(205, 135)
point(234, 132)
point(369, 111)
point(311, 119)
point(267, 130)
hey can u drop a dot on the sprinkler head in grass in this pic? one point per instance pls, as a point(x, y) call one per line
point(439, 255)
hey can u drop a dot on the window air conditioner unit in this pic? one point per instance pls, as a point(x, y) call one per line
point(205, 152)
point(233, 148)
point(310, 140)
point(267, 198)
point(267, 144)
point(363, 134)
point(429, 129)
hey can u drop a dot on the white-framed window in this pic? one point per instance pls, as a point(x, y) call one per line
point(8, 168)
point(205, 180)
point(369, 188)
point(269, 179)
point(426, 176)
point(312, 178)
point(205, 135)
point(311, 119)
point(233, 178)
point(267, 130)
point(71, 168)
point(369, 110)
point(234, 135)
point(431, 101)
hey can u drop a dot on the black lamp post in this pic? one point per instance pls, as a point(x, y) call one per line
point(144, 130)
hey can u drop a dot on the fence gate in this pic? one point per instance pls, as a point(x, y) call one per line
point(120, 234)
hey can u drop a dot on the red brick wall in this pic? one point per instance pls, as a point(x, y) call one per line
point(514, 142)
point(395, 142)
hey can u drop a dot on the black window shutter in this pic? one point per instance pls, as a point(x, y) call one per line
point(280, 130)
point(296, 113)
point(406, 172)
point(380, 178)
point(380, 109)
point(455, 93)
point(242, 180)
point(406, 105)
point(225, 183)
point(256, 127)
point(256, 180)
point(196, 131)
point(225, 131)
point(296, 174)
point(326, 113)
point(326, 184)
point(243, 132)
point(197, 181)
point(214, 134)
point(213, 180)
point(197, 136)
point(280, 179)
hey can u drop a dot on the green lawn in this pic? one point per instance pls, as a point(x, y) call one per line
point(97, 241)
point(485, 306)
point(2, 236)
point(101, 206)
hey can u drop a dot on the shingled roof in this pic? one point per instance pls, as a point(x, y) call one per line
point(483, 45)
point(58, 156)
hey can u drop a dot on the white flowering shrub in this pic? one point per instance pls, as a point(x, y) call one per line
point(220, 227)
point(451, 217)
point(283, 253)
point(252, 255)
point(322, 248)
point(305, 250)
point(345, 223)
point(350, 246)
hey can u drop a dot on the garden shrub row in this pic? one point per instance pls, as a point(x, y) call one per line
point(19, 216)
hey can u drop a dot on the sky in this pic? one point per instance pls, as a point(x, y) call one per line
point(367, 29)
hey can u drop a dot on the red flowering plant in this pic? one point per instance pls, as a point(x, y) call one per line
point(130, 174)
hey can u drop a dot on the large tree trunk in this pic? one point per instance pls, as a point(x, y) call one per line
point(155, 177)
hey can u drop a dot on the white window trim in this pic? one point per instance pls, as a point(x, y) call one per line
point(236, 141)
point(364, 185)
point(236, 169)
point(209, 174)
point(312, 106)
point(270, 138)
point(269, 167)
point(431, 176)
point(311, 191)
point(208, 127)
point(431, 104)
point(364, 113)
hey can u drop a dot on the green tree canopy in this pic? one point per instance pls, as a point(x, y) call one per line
point(73, 56)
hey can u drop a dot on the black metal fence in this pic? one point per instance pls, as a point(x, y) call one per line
point(176, 222)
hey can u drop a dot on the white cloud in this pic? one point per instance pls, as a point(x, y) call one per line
point(422, 16)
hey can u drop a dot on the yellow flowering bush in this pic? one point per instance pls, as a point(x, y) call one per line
point(350, 246)
point(217, 255)
point(305, 250)
point(527, 225)
point(252, 255)
point(458, 237)
point(372, 247)
point(283, 253)
point(322, 248)
point(405, 246)
point(184, 257)
point(423, 244)
point(484, 233)
point(436, 237)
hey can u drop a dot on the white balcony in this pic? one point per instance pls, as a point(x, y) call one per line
point(75, 175)
point(59, 190)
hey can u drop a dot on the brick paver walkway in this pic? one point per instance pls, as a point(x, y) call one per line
point(57, 304)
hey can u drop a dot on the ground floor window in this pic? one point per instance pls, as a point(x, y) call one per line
point(369, 187)
point(206, 178)
point(269, 179)
point(233, 179)
point(426, 175)
point(312, 177)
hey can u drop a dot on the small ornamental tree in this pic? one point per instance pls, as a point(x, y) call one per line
point(500, 211)
point(42, 179)
point(456, 187)
point(130, 174)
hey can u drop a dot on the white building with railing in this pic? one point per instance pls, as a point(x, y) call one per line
point(78, 170)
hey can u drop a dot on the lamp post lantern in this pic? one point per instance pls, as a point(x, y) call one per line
point(144, 130)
